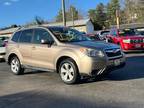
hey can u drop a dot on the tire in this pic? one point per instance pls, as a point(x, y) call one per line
point(16, 66)
point(68, 71)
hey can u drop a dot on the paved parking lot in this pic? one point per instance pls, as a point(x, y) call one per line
point(123, 88)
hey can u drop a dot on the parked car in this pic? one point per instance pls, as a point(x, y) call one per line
point(141, 31)
point(3, 41)
point(128, 39)
point(102, 34)
point(62, 50)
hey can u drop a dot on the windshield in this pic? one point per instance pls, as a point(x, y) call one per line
point(68, 35)
point(128, 32)
point(104, 33)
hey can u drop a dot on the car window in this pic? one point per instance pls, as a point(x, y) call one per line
point(3, 41)
point(64, 34)
point(16, 37)
point(41, 34)
point(26, 36)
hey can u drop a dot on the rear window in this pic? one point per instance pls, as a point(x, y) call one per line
point(26, 36)
point(15, 37)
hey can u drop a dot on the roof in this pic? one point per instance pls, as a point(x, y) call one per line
point(70, 23)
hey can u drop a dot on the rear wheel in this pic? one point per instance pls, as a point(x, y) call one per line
point(68, 71)
point(16, 66)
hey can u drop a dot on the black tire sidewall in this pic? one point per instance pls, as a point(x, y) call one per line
point(76, 72)
point(20, 70)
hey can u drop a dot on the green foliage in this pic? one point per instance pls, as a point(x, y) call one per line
point(71, 13)
point(98, 16)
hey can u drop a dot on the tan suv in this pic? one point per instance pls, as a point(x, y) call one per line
point(62, 50)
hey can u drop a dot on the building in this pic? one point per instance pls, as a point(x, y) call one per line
point(84, 25)
point(7, 32)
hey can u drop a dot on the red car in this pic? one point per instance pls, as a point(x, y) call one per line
point(128, 39)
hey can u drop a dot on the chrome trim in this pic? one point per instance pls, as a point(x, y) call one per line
point(115, 57)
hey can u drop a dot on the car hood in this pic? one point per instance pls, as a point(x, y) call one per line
point(95, 45)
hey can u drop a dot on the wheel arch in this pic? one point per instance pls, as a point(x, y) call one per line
point(64, 57)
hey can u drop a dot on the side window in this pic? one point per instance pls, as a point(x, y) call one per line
point(40, 34)
point(15, 37)
point(26, 36)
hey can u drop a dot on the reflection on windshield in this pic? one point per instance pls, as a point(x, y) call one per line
point(128, 32)
point(68, 35)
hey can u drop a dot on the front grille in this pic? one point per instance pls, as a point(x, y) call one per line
point(137, 41)
point(113, 52)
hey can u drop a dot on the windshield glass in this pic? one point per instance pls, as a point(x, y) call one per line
point(64, 34)
point(128, 32)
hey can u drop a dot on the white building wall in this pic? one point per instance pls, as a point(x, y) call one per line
point(89, 27)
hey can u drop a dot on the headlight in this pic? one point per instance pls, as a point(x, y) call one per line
point(93, 52)
point(126, 41)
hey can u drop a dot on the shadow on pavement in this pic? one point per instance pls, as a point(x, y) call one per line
point(133, 70)
point(33, 99)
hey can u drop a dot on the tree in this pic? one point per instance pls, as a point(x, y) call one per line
point(112, 7)
point(92, 14)
point(72, 11)
point(101, 15)
point(36, 21)
point(98, 16)
point(134, 11)
point(59, 17)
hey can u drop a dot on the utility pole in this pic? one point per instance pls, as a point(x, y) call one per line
point(63, 11)
point(117, 18)
point(72, 15)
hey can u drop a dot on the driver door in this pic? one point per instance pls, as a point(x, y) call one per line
point(42, 53)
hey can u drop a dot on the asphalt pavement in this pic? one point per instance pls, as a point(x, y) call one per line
point(123, 88)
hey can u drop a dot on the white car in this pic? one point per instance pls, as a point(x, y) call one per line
point(3, 41)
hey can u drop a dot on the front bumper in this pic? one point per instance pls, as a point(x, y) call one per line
point(128, 47)
point(90, 66)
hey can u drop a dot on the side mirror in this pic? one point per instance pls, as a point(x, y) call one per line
point(48, 42)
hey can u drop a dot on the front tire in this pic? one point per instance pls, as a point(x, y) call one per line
point(69, 72)
point(16, 66)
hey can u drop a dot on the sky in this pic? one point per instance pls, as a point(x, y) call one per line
point(22, 11)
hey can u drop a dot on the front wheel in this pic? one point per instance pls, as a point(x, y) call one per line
point(16, 66)
point(68, 71)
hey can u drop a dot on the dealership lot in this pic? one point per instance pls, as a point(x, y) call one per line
point(123, 88)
